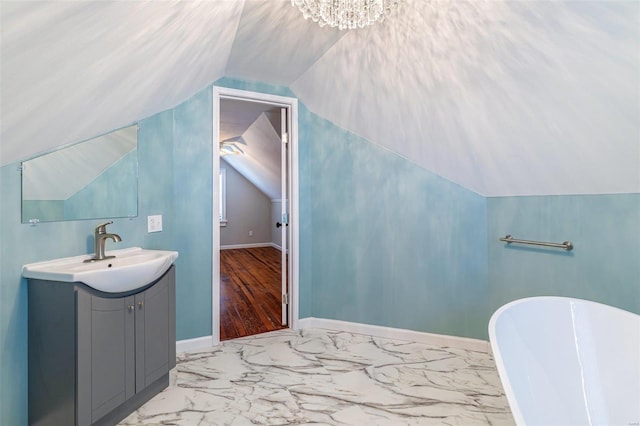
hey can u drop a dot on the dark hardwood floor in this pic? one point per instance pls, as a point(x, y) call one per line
point(250, 292)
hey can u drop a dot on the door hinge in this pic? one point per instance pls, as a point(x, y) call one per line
point(285, 299)
point(285, 138)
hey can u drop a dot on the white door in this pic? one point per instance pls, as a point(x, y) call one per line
point(284, 197)
point(290, 235)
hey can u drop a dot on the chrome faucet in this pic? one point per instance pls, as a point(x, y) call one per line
point(100, 237)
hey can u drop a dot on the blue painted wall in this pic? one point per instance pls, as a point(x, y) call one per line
point(604, 266)
point(193, 206)
point(393, 244)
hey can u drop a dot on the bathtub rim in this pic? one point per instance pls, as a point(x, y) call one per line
point(497, 356)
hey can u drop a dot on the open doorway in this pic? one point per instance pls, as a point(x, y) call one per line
point(255, 185)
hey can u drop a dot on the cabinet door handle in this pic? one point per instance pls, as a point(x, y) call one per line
point(130, 307)
point(140, 304)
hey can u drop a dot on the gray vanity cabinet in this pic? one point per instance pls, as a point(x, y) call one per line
point(106, 374)
point(94, 358)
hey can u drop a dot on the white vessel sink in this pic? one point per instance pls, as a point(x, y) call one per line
point(131, 268)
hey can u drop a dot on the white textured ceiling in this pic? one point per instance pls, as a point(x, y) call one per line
point(236, 116)
point(274, 44)
point(254, 128)
point(260, 163)
point(71, 70)
point(502, 97)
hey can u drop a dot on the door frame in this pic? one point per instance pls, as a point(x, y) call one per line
point(292, 105)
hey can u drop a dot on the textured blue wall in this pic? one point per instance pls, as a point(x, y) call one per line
point(193, 206)
point(604, 266)
point(393, 244)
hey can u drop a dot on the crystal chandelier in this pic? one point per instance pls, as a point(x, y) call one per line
point(345, 14)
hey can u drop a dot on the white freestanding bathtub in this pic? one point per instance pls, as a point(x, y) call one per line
point(568, 361)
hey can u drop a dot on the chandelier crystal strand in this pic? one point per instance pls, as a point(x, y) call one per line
point(345, 14)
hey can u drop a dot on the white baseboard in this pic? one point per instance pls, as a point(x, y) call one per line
point(441, 340)
point(241, 246)
point(189, 345)
point(277, 247)
point(254, 245)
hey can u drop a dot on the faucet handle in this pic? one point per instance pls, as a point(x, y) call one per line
point(102, 228)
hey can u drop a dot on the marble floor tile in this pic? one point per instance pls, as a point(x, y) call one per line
point(317, 376)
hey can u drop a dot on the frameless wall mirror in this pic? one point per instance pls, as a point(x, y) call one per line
point(93, 179)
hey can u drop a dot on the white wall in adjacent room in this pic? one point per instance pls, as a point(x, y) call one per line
point(248, 211)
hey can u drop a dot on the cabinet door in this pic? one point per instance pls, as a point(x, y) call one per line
point(112, 353)
point(152, 334)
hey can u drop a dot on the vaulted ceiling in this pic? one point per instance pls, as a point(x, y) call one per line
point(254, 128)
point(502, 97)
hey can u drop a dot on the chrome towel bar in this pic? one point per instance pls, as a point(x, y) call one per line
point(567, 245)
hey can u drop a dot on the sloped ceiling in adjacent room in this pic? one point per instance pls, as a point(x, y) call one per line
point(252, 128)
point(260, 162)
point(502, 97)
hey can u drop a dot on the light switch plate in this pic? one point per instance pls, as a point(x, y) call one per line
point(154, 223)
